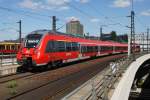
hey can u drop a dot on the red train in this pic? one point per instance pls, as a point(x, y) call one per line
point(9, 48)
point(43, 47)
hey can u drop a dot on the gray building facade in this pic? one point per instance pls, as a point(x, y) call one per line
point(74, 27)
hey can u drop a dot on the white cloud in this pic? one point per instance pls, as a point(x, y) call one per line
point(58, 2)
point(95, 20)
point(83, 1)
point(139, 0)
point(29, 4)
point(72, 18)
point(45, 4)
point(146, 13)
point(121, 3)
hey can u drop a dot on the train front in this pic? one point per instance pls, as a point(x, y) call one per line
point(28, 49)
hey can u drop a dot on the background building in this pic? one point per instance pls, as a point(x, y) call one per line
point(141, 39)
point(74, 27)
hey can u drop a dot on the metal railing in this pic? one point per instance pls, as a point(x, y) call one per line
point(100, 85)
point(7, 59)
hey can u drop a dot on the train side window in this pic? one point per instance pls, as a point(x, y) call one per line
point(7, 47)
point(50, 46)
point(1, 47)
point(102, 48)
point(68, 46)
point(110, 48)
point(96, 48)
point(84, 49)
point(13, 47)
point(75, 46)
point(88, 49)
point(61, 46)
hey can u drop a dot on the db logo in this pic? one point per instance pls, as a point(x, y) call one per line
point(27, 51)
point(68, 54)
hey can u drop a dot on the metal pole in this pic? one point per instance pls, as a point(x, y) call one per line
point(143, 43)
point(147, 39)
point(129, 45)
point(54, 23)
point(131, 36)
point(101, 32)
point(20, 30)
point(133, 33)
point(1, 60)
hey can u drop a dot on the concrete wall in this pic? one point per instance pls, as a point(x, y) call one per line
point(122, 91)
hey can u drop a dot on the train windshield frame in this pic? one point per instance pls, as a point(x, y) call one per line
point(32, 40)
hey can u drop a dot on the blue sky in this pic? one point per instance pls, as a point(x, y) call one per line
point(35, 14)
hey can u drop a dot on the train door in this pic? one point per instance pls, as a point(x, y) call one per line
point(80, 50)
point(113, 49)
point(99, 50)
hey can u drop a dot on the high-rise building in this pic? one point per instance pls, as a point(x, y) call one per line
point(74, 27)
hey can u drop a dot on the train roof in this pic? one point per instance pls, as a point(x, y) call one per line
point(80, 39)
point(44, 31)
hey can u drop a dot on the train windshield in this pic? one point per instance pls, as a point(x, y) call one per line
point(32, 40)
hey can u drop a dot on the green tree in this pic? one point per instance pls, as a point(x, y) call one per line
point(114, 35)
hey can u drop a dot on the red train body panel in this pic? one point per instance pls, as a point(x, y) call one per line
point(44, 47)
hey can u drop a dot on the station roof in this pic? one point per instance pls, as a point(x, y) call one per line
point(8, 43)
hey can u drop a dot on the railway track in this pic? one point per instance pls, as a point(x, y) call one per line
point(61, 85)
point(17, 76)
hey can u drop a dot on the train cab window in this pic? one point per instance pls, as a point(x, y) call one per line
point(68, 46)
point(32, 40)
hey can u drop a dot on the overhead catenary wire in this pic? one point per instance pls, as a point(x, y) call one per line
point(33, 15)
point(62, 26)
point(89, 16)
point(79, 10)
point(140, 22)
point(25, 13)
point(105, 17)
